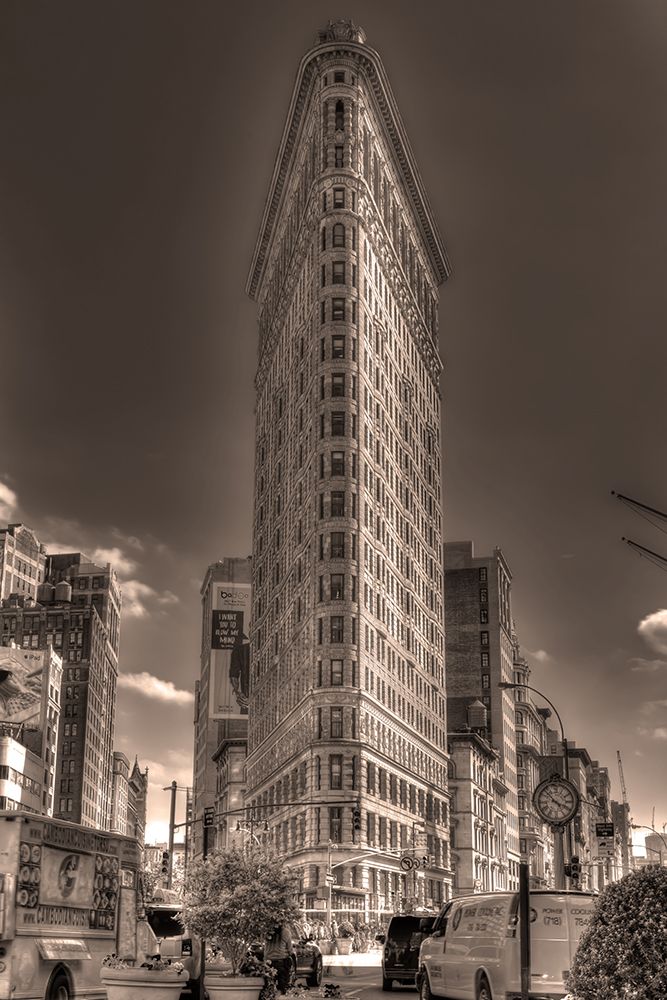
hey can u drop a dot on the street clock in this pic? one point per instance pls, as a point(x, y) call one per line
point(556, 800)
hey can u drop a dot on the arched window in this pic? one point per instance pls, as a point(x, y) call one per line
point(339, 235)
point(340, 116)
point(324, 238)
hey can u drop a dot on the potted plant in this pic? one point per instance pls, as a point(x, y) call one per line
point(345, 937)
point(232, 899)
point(155, 979)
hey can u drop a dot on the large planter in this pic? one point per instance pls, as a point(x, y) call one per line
point(144, 984)
point(344, 945)
point(325, 947)
point(225, 987)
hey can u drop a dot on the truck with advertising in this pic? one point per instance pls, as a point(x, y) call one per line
point(68, 898)
point(472, 951)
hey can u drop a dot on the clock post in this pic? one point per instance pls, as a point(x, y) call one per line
point(556, 800)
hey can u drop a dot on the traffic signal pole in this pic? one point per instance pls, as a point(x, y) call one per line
point(172, 820)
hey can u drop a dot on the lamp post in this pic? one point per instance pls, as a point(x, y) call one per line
point(644, 826)
point(558, 839)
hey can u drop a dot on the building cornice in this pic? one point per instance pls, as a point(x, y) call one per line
point(370, 64)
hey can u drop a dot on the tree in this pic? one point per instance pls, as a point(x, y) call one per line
point(236, 897)
point(623, 953)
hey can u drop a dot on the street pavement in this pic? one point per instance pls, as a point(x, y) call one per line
point(360, 976)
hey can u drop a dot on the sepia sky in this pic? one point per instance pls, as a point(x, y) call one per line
point(138, 141)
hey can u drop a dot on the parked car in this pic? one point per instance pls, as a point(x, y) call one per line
point(176, 943)
point(400, 954)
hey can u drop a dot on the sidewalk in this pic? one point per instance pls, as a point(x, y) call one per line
point(344, 965)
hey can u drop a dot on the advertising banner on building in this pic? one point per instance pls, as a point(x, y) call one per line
point(21, 678)
point(230, 651)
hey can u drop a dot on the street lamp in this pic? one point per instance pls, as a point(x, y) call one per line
point(512, 685)
point(644, 826)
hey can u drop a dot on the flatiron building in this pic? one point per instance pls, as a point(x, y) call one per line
point(347, 746)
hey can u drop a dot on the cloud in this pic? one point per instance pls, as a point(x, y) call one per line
point(136, 594)
point(155, 688)
point(131, 540)
point(640, 665)
point(539, 654)
point(8, 502)
point(653, 733)
point(653, 629)
point(123, 565)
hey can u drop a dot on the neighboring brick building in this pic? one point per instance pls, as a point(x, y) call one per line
point(221, 696)
point(479, 654)
point(77, 612)
point(22, 561)
point(348, 733)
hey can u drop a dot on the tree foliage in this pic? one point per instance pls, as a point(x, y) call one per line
point(236, 897)
point(623, 953)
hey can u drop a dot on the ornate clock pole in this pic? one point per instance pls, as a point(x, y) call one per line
point(556, 800)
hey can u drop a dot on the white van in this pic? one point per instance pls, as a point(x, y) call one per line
point(472, 952)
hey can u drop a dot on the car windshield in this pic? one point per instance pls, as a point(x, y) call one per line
point(164, 923)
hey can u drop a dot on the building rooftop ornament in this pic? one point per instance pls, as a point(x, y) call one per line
point(341, 30)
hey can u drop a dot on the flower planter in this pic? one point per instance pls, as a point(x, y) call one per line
point(344, 946)
point(325, 947)
point(221, 986)
point(145, 984)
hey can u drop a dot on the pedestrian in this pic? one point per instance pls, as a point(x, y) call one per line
point(279, 953)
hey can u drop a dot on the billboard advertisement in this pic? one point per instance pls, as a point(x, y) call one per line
point(230, 651)
point(21, 678)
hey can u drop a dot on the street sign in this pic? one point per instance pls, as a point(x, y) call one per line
point(209, 816)
point(406, 863)
point(604, 829)
point(330, 879)
point(606, 849)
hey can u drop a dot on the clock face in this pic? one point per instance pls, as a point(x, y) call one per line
point(556, 800)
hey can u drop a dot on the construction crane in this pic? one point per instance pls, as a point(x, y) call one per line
point(626, 805)
point(654, 517)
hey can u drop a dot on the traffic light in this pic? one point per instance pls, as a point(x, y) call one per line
point(356, 817)
point(568, 870)
point(575, 869)
point(165, 863)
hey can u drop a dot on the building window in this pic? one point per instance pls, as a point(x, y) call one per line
point(484, 638)
point(482, 574)
point(337, 463)
point(336, 673)
point(337, 346)
point(483, 595)
point(338, 272)
point(337, 628)
point(338, 235)
point(336, 724)
point(485, 659)
point(486, 680)
point(335, 824)
point(339, 197)
point(337, 423)
point(339, 76)
point(337, 545)
point(483, 617)
point(335, 771)
point(338, 504)
point(337, 586)
point(338, 310)
point(338, 384)
point(338, 156)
